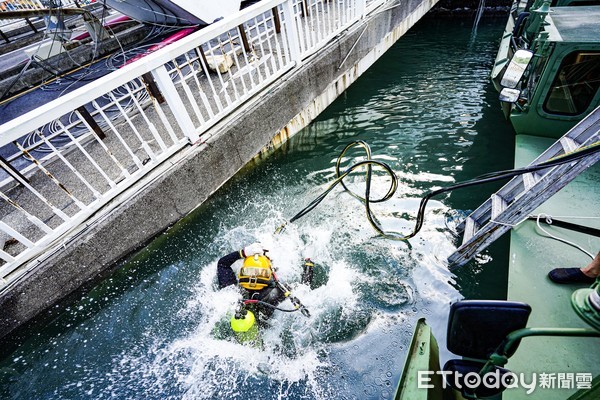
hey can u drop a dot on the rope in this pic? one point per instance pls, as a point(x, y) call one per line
point(548, 219)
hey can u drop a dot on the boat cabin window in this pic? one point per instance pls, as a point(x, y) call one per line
point(575, 85)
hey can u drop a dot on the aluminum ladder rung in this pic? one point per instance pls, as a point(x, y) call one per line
point(524, 193)
point(530, 180)
point(499, 204)
point(471, 227)
point(569, 144)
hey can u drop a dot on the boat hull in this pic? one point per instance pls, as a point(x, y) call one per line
point(423, 355)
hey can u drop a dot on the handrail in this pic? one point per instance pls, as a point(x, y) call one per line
point(14, 129)
point(123, 125)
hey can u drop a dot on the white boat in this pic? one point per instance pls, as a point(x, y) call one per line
point(176, 12)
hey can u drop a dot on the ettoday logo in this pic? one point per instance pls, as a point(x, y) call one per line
point(509, 380)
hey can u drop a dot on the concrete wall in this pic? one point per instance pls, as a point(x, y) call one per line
point(469, 7)
point(180, 185)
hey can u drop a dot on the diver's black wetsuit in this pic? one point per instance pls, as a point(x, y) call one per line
point(225, 274)
point(272, 294)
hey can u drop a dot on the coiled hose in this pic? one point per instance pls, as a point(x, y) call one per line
point(369, 163)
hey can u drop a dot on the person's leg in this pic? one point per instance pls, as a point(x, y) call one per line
point(587, 274)
point(592, 269)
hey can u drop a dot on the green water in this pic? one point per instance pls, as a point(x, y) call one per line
point(427, 109)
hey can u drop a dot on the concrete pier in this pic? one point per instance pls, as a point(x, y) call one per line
point(181, 184)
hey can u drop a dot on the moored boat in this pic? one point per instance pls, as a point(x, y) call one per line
point(487, 334)
point(559, 324)
point(548, 65)
point(544, 337)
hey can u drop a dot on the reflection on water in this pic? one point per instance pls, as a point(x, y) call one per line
point(426, 108)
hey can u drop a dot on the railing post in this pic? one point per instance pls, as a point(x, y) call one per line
point(291, 31)
point(276, 19)
point(169, 92)
point(361, 6)
point(31, 25)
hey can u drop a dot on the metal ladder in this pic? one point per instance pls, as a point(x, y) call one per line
point(524, 193)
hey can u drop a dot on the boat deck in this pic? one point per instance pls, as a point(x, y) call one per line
point(531, 257)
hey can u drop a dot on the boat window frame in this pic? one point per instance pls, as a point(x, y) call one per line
point(535, 75)
point(549, 82)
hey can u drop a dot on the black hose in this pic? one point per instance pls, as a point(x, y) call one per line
point(485, 178)
point(367, 198)
point(264, 303)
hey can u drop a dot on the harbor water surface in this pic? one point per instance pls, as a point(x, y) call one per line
point(153, 330)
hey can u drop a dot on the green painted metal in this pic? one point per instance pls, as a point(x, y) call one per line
point(581, 304)
point(553, 34)
point(423, 355)
point(532, 256)
point(563, 3)
point(513, 339)
point(589, 394)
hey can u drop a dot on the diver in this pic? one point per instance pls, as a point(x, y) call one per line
point(262, 292)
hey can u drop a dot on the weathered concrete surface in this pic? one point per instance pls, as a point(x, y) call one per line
point(180, 185)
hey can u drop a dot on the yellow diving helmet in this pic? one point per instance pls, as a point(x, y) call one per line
point(256, 273)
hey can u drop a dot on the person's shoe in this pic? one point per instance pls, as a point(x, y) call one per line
point(569, 275)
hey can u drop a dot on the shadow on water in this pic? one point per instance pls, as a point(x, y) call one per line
point(150, 329)
point(487, 276)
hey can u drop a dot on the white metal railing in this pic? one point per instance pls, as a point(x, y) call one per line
point(65, 160)
point(312, 25)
